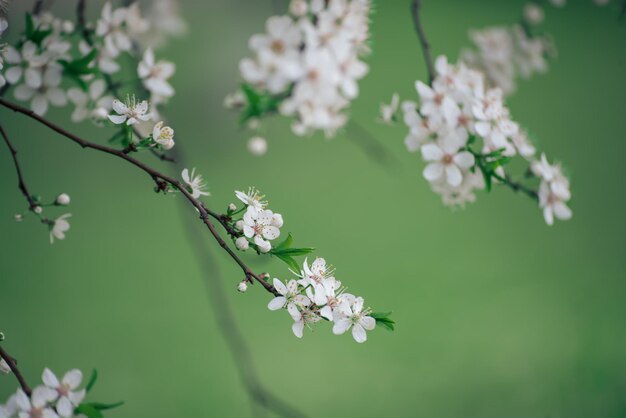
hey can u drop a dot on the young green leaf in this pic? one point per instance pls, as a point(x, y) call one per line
point(92, 380)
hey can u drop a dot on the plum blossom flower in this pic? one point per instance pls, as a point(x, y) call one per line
point(59, 227)
point(68, 396)
point(163, 135)
point(261, 226)
point(252, 198)
point(92, 104)
point(195, 183)
point(154, 75)
point(37, 405)
point(307, 317)
point(289, 298)
point(351, 315)
point(446, 161)
point(130, 112)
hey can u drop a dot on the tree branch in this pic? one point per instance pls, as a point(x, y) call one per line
point(21, 182)
point(159, 179)
point(517, 187)
point(18, 375)
point(415, 9)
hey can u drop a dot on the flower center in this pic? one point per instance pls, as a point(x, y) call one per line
point(277, 46)
point(447, 159)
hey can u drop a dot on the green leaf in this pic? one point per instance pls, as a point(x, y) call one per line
point(290, 261)
point(260, 103)
point(89, 410)
point(104, 406)
point(34, 34)
point(30, 26)
point(80, 66)
point(384, 320)
point(92, 380)
point(294, 252)
point(285, 244)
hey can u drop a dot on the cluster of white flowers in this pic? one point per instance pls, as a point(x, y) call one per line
point(506, 53)
point(259, 224)
point(554, 190)
point(458, 112)
point(308, 61)
point(3, 26)
point(55, 398)
point(37, 65)
point(317, 295)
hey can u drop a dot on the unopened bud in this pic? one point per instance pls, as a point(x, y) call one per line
point(63, 199)
point(257, 146)
point(265, 247)
point(18, 218)
point(533, 13)
point(264, 276)
point(298, 8)
point(277, 220)
point(239, 225)
point(242, 287)
point(232, 207)
point(242, 243)
point(37, 209)
point(4, 367)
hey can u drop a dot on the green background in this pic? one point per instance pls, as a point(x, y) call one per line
point(498, 315)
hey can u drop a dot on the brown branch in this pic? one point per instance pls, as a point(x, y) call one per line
point(415, 9)
point(21, 182)
point(158, 177)
point(517, 187)
point(18, 375)
point(224, 317)
point(37, 7)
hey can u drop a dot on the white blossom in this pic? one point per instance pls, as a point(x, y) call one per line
point(92, 104)
point(252, 198)
point(388, 111)
point(242, 286)
point(533, 13)
point(195, 182)
point(62, 200)
point(446, 161)
point(37, 405)
point(59, 227)
point(260, 226)
point(68, 397)
point(257, 145)
point(289, 298)
point(130, 112)
point(163, 135)
point(155, 75)
point(351, 314)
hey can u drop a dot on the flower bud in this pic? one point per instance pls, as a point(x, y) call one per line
point(242, 243)
point(277, 220)
point(18, 217)
point(298, 8)
point(38, 209)
point(242, 287)
point(232, 207)
point(257, 146)
point(62, 200)
point(239, 225)
point(533, 13)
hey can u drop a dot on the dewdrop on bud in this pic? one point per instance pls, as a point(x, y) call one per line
point(239, 225)
point(242, 287)
point(232, 207)
point(37, 209)
point(62, 200)
point(298, 8)
point(242, 243)
point(257, 146)
point(18, 218)
point(533, 13)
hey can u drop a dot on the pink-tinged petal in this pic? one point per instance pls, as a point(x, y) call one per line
point(424, 91)
point(117, 119)
point(431, 152)
point(49, 378)
point(341, 326)
point(277, 303)
point(73, 378)
point(120, 107)
point(454, 175)
point(433, 171)
point(359, 334)
point(271, 232)
point(65, 408)
point(298, 328)
point(280, 286)
point(368, 323)
point(561, 211)
point(294, 312)
point(464, 160)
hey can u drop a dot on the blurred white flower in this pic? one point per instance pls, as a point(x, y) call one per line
point(154, 75)
point(257, 146)
point(196, 183)
point(388, 111)
point(59, 227)
point(67, 396)
point(130, 112)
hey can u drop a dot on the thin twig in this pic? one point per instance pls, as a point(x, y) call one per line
point(21, 182)
point(159, 179)
point(516, 186)
point(415, 9)
point(37, 7)
point(224, 317)
point(18, 375)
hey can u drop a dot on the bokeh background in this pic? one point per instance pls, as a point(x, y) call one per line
point(498, 315)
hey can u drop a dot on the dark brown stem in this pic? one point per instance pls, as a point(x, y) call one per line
point(37, 7)
point(21, 182)
point(415, 9)
point(156, 176)
point(517, 187)
point(18, 375)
